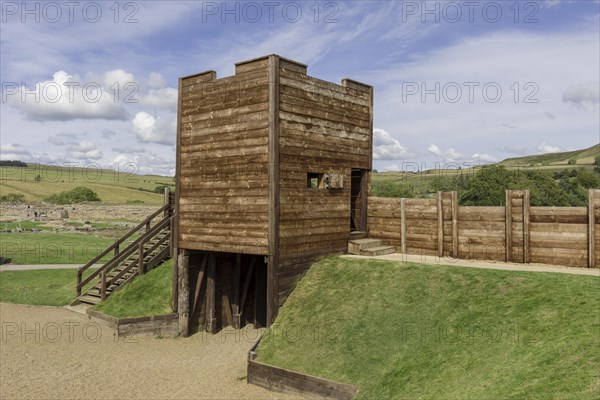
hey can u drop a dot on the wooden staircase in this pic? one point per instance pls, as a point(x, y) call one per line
point(150, 249)
point(369, 247)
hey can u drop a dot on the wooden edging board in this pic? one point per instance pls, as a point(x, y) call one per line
point(286, 381)
point(164, 325)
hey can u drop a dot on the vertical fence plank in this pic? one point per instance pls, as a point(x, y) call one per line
point(526, 218)
point(237, 270)
point(508, 225)
point(403, 224)
point(455, 224)
point(591, 229)
point(183, 306)
point(211, 312)
point(440, 225)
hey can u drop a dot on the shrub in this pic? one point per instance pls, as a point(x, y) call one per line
point(572, 161)
point(12, 198)
point(161, 188)
point(77, 195)
point(389, 189)
point(488, 188)
point(588, 179)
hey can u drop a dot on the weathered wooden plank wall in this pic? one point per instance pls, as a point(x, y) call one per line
point(223, 161)
point(515, 232)
point(324, 128)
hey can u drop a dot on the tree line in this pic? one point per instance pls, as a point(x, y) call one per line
point(487, 187)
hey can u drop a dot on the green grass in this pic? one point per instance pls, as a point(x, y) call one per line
point(49, 287)
point(408, 331)
point(24, 225)
point(584, 156)
point(112, 187)
point(147, 295)
point(52, 248)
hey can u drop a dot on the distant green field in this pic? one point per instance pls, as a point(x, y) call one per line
point(38, 181)
point(53, 248)
point(415, 331)
point(581, 157)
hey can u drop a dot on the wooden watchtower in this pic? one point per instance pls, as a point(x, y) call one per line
point(273, 173)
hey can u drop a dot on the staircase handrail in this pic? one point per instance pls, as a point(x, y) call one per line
point(123, 238)
point(133, 264)
point(126, 252)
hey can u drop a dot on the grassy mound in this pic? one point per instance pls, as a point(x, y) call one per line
point(147, 295)
point(430, 332)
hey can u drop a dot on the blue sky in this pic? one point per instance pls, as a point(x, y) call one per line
point(456, 82)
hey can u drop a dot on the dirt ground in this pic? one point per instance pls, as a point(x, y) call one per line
point(54, 353)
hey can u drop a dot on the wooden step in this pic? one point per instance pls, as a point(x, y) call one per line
point(355, 235)
point(89, 299)
point(378, 251)
point(356, 246)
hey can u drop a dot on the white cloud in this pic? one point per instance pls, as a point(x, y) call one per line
point(385, 147)
point(453, 156)
point(129, 149)
point(156, 81)
point(62, 139)
point(55, 140)
point(151, 129)
point(107, 133)
point(162, 98)
point(518, 150)
point(583, 93)
point(118, 77)
point(483, 158)
point(391, 168)
point(556, 3)
point(84, 150)
point(546, 148)
point(449, 155)
point(64, 98)
point(13, 151)
point(146, 163)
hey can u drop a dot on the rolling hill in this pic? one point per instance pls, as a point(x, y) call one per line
point(581, 157)
point(37, 181)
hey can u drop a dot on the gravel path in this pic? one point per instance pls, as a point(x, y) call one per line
point(15, 267)
point(53, 353)
point(434, 260)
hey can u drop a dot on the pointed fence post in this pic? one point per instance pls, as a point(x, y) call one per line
point(440, 225)
point(454, 224)
point(526, 220)
point(403, 224)
point(591, 228)
point(508, 225)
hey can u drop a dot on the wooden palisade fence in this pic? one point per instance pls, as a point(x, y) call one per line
point(515, 232)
